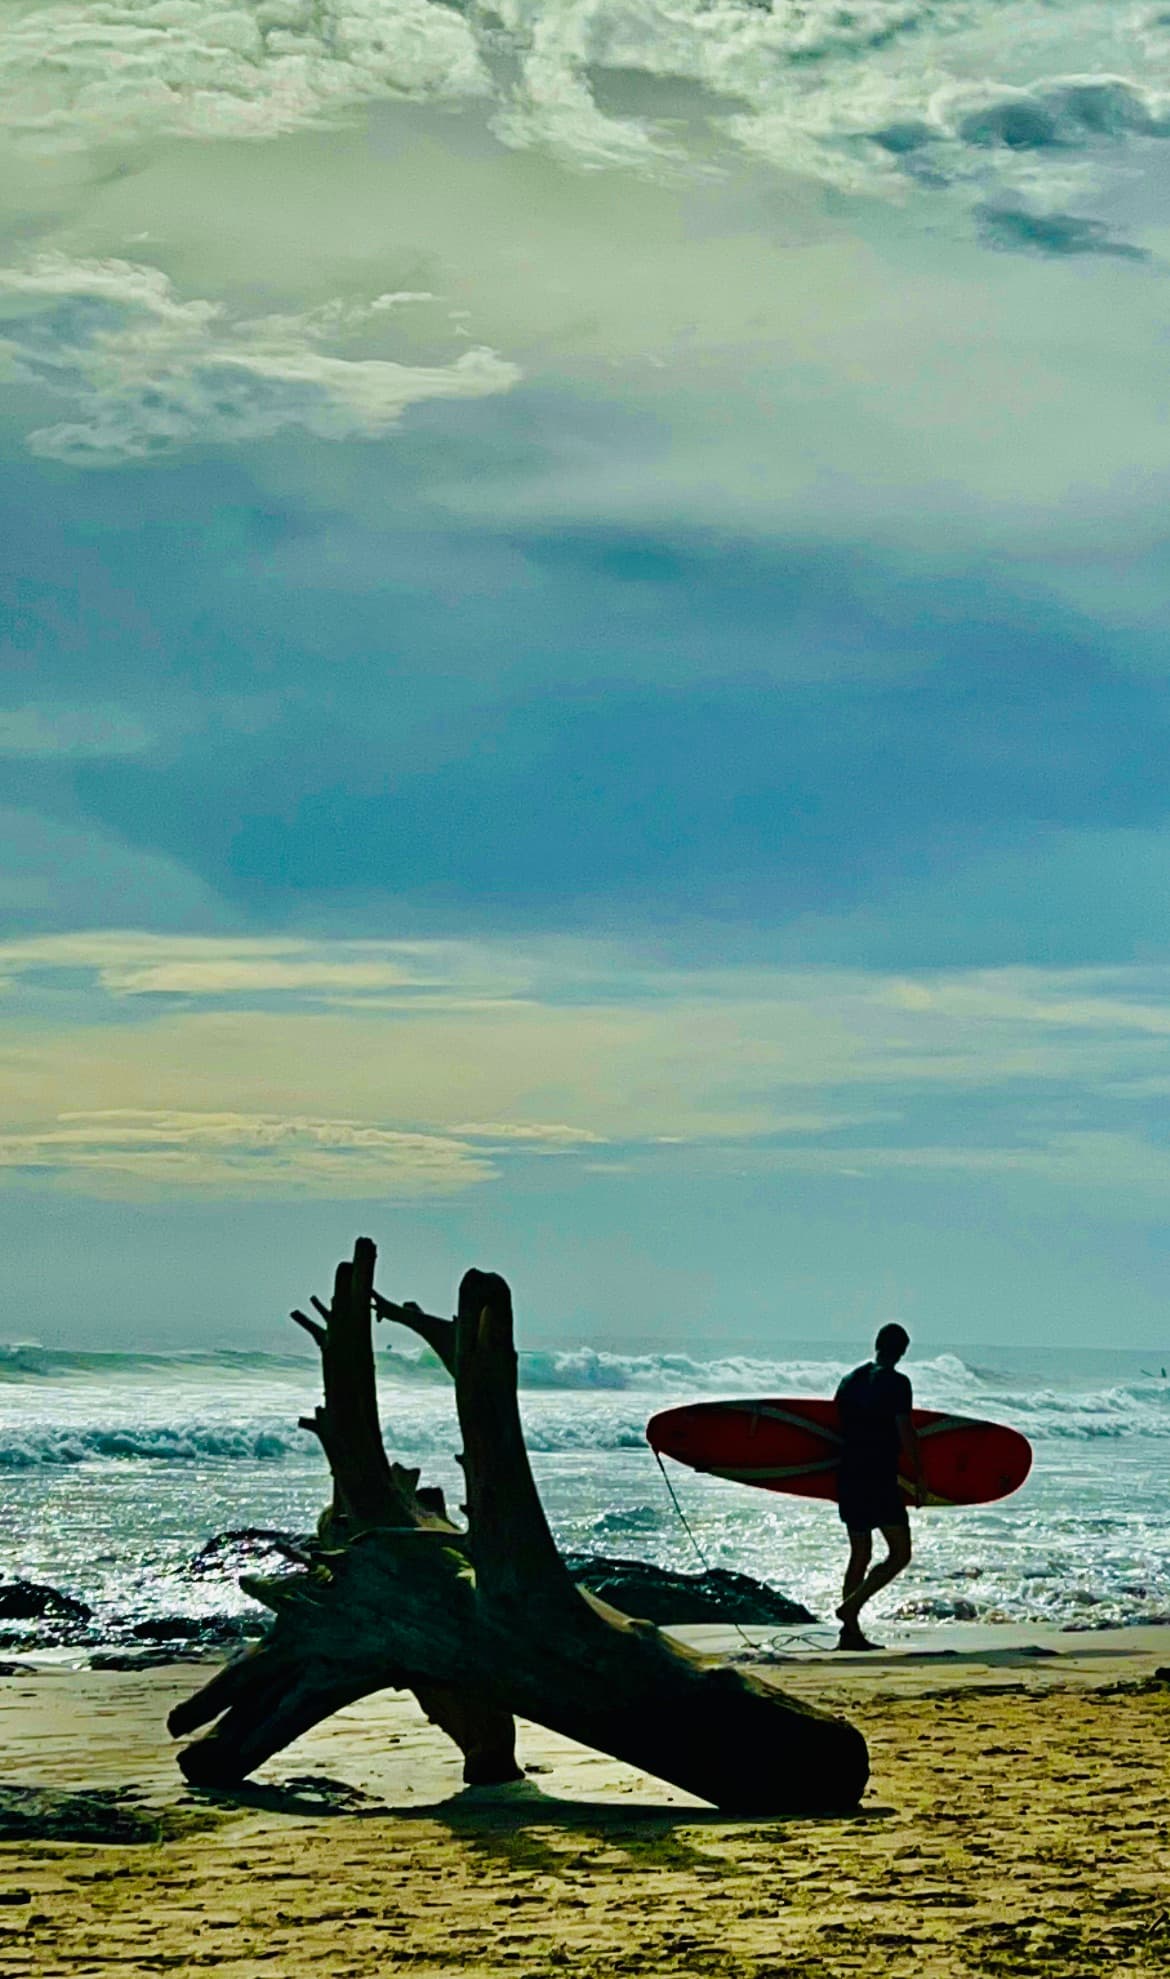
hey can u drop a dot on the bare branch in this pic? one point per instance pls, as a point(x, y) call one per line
point(317, 1333)
point(439, 1334)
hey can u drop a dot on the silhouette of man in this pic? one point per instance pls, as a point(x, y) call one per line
point(874, 1404)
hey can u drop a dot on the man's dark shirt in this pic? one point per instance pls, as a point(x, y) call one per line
point(869, 1402)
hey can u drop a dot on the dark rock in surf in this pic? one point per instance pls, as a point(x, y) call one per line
point(242, 1550)
point(120, 1643)
point(936, 1608)
point(59, 1618)
point(143, 1659)
point(204, 1631)
point(31, 1601)
point(658, 1594)
point(165, 1639)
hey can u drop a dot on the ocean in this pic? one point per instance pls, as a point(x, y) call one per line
point(116, 1469)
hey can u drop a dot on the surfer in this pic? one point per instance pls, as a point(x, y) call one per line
point(874, 1404)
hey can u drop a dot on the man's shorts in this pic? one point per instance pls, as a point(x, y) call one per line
point(868, 1503)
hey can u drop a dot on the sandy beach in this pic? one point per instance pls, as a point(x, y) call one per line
point(1016, 1821)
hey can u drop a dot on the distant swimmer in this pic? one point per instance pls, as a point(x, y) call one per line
point(874, 1404)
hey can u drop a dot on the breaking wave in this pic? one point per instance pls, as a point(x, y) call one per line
point(591, 1369)
point(27, 1360)
point(69, 1408)
point(34, 1447)
point(26, 1447)
point(1129, 1408)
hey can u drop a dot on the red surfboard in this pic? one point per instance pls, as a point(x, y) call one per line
point(788, 1444)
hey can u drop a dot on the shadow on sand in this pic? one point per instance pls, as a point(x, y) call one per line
point(508, 1820)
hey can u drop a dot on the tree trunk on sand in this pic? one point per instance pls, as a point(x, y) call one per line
point(319, 1655)
point(488, 1622)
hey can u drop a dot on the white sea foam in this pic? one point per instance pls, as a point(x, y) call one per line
point(187, 1443)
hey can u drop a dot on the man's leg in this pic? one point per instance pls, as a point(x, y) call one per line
point(897, 1538)
point(860, 1555)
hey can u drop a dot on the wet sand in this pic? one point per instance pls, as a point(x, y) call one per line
point(1017, 1821)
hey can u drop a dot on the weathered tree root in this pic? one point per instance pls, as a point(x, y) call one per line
point(488, 1622)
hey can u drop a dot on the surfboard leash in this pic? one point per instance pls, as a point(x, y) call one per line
point(773, 1642)
point(691, 1535)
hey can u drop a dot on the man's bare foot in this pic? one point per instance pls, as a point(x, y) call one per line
point(851, 1636)
point(853, 1639)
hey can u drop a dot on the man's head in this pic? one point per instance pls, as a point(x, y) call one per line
point(891, 1344)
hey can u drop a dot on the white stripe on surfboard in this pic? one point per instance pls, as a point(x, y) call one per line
point(955, 1422)
point(775, 1470)
point(773, 1414)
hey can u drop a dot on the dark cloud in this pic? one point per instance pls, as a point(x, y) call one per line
point(910, 134)
point(526, 728)
point(1053, 233)
point(583, 793)
point(1077, 113)
point(1062, 113)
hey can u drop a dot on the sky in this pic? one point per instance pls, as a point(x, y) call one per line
point(584, 602)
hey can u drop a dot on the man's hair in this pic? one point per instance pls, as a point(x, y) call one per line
point(892, 1342)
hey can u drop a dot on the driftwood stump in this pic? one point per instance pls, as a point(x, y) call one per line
point(482, 1623)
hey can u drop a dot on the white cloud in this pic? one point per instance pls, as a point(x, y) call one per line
point(562, 976)
point(129, 1151)
point(1088, 1161)
point(150, 372)
point(228, 975)
point(1113, 1001)
point(551, 1136)
point(554, 105)
point(462, 1060)
point(124, 69)
point(129, 963)
point(846, 94)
